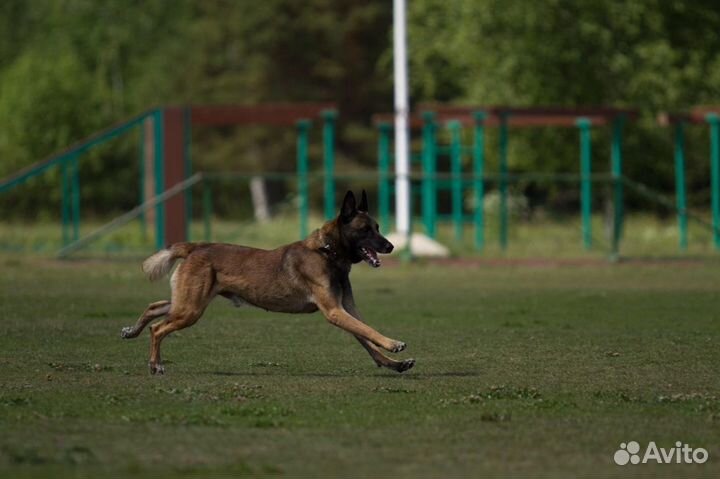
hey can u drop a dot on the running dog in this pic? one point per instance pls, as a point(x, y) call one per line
point(302, 277)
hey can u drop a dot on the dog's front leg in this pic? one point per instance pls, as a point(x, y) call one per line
point(331, 306)
point(383, 361)
point(380, 359)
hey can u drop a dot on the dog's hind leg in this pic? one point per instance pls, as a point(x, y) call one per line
point(154, 310)
point(191, 295)
point(174, 322)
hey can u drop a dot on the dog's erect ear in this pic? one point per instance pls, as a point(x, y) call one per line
point(363, 203)
point(348, 210)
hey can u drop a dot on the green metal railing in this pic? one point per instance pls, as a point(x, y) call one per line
point(616, 170)
point(585, 181)
point(329, 118)
point(430, 181)
point(479, 173)
point(69, 163)
point(456, 151)
point(714, 121)
point(384, 176)
point(503, 162)
point(208, 192)
point(429, 186)
point(303, 127)
point(668, 203)
point(680, 192)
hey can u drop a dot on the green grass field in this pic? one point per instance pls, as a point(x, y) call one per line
point(533, 371)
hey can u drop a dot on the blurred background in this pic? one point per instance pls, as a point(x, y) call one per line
point(70, 68)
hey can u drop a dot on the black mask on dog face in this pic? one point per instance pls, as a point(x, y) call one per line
point(360, 232)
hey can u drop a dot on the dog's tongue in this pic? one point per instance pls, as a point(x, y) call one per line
point(371, 257)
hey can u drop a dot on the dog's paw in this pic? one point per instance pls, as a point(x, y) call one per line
point(127, 332)
point(156, 368)
point(397, 347)
point(405, 365)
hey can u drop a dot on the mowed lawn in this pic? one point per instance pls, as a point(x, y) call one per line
point(534, 370)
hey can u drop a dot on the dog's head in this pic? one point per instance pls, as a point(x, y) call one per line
point(360, 233)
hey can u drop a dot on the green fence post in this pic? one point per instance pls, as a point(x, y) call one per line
point(187, 157)
point(329, 117)
point(585, 181)
point(207, 208)
point(478, 179)
point(456, 175)
point(75, 196)
point(714, 120)
point(680, 194)
point(65, 202)
point(303, 127)
point(429, 158)
point(384, 175)
point(141, 166)
point(503, 180)
point(159, 172)
point(616, 167)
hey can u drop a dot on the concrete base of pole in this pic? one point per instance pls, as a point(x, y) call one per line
point(421, 246)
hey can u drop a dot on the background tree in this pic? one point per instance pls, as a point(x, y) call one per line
point(71, 67)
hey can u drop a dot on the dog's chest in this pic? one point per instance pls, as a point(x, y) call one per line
point(291, 304)
point(237, 301)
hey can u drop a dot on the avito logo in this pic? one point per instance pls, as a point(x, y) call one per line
point(680, 454)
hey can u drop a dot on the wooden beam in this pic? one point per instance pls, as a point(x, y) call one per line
point(273, 114)
point(696, 116)
point(529, 116)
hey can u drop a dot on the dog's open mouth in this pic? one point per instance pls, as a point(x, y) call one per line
point(370, 256)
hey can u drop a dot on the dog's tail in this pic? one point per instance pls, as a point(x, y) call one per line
point(160, 264)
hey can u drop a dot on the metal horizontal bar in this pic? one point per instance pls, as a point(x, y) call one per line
point(442, 176)
point(238, 175)
point(667, 202)
point(130, 215)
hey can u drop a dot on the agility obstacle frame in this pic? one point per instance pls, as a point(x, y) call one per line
point(455, 118)
point(165, 161)
point(678, 121)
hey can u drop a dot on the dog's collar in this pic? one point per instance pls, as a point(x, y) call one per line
point(328, 250)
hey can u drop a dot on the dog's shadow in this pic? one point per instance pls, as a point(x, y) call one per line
point(405, 376)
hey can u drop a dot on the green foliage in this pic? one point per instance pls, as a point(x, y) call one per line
point(71, 67)
point(651, 55)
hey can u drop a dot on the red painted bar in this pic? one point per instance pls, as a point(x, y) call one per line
point(273, 114)
point(695, 116)
point(529, 117)
point(414, 121)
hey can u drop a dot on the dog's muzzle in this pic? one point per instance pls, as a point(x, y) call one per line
point(370, 256)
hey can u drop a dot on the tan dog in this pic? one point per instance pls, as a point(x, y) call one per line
point(302, 277)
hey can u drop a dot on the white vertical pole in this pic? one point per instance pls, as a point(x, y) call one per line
point(402, 147)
